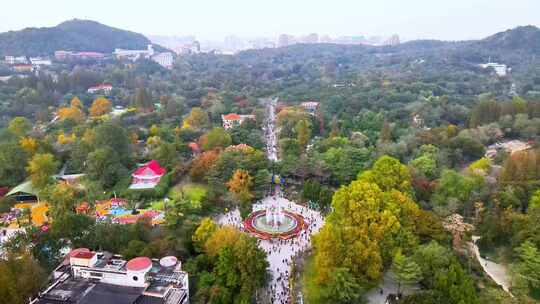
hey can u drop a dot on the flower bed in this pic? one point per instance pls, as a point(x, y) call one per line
point(300, 225)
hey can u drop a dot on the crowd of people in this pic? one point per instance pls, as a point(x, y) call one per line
point(270, 133)
point(280, 253)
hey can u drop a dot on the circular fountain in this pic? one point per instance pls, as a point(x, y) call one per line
point(274, 222)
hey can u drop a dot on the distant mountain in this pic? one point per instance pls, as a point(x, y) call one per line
point(520, 38)
point(73, 35)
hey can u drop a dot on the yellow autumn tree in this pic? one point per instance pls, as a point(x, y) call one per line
point(29, 145)
point(40, 169)
point(100, 106)
point(197, 119)
point(240, 184)
point(154, 130)
point(153, 141)
point(64, 139)
point(206, 229)
point(372, 219)
point(88, 136)
point(222, 237)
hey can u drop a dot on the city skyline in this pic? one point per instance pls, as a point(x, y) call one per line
point(212, 20)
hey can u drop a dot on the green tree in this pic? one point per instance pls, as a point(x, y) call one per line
point(405, 270)
point(113, 136)
point(534, 202)
point(165, 154)
point(342, 288)
point(11, 158)
point(388, 173)
point(19, 126)
point(104, 166)
point(134, 249)
point(75, 228)
point(240, 270)
point(345, 163)
point(172, 107)
point(197, 119)
point(454, 286)
point(528, 267)
point(20, 278)
point(425, 164)
point(457, 191)
point(215, 138)
point(61, 198)
point(432, 259)
point(311, 191)
point(143, 100)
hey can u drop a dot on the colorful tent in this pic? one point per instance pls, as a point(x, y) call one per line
point(24, 192)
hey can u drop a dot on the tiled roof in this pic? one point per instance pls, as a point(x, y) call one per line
point(232, 116)
point(152, 165)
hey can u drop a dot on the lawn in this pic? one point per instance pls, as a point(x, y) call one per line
point(310, 290)
point(195, 193)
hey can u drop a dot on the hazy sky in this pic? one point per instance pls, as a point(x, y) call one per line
point(214, 19)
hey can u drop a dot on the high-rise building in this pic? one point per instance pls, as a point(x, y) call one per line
point(392, 41)
point(285, 40)
point(311, 38)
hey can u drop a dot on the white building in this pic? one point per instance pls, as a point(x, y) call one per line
point(310, 106)
point(500, 69)
point(134, 54)
point(38, 61)
point(102, 88)
point(165, 59)
point(11, 60)
point(101, 277)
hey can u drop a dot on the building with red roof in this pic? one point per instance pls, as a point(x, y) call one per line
point(147, 176)
point(101, 88)
point(233, 119)
point(195, 148)
point(23, 67)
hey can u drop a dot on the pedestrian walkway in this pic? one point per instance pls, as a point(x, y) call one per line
point(497, 272)
point(280, 253)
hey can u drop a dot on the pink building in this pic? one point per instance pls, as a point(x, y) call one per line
point(147, 176)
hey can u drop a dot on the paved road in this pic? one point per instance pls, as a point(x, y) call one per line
point(497, 272)
point(279, 253)
point(270, 131)
point(388, 286)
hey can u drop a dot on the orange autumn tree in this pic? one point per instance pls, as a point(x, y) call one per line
point(202, 164)
point(240, 184)
point(76, 103)
point(100, 106)
point(73, 112)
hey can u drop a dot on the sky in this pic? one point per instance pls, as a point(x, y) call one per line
point(215, 19)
